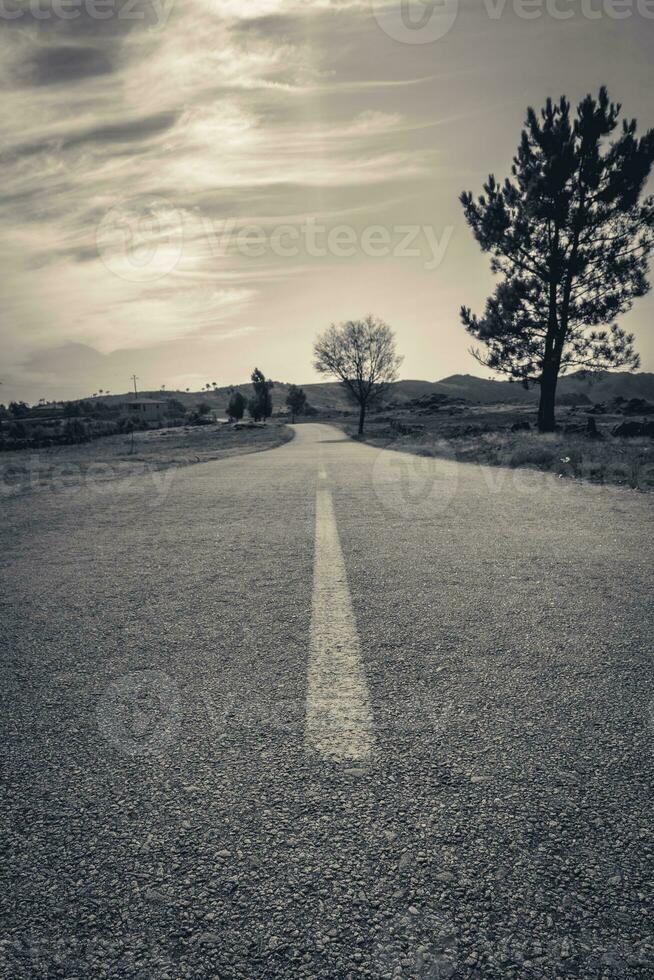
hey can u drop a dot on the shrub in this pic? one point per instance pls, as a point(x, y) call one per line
point(532, 456)
point(236, 406)
point(75, 431)
point(17, 430)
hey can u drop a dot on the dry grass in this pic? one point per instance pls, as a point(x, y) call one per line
point(622, 462)
point(115, 457)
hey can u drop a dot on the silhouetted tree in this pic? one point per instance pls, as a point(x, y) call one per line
point(262, 394)
point(19, 409)
point(254, 408)
point(236, 406)
point(175, 408)
point(570, 238)
point(361, 354)
point(72, 409)
point(296, 401)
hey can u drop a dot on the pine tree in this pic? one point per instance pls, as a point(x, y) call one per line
point(570, 237)
point(296, 401)
point(262, 395)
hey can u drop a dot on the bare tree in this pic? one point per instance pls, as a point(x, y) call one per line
point(361, 354)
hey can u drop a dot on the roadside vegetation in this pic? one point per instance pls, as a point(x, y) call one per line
point(507, 435)
point(296, 402)
point(64, 467)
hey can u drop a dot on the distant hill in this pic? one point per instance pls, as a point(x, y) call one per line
point(483, 390)
point(601, 387)
point(607, 385)
point(331, 396)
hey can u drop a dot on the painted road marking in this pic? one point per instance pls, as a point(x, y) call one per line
point(339, 723)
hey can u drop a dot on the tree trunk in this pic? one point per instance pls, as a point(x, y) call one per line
point(547, 404)
point(362, 417)
point(551, 363)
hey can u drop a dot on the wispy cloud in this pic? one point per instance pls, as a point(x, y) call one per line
point(108, 116)
point(129, 143)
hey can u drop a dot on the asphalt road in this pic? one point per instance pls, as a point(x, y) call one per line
point(167, 812)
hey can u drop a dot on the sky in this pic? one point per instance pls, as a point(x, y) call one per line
point(191, 188)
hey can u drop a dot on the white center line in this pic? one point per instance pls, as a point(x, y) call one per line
point(339, 723)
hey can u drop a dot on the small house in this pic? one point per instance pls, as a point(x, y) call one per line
point(146, 410)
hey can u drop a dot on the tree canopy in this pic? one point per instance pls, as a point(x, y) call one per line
point(296, 401)
point(236, 405)
point(260, 406)
point(570, 237)
point(362, 355)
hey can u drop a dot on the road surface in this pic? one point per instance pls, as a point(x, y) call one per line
point(327, 711)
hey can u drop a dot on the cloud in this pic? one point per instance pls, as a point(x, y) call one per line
point(68, 63)
point(219, 113)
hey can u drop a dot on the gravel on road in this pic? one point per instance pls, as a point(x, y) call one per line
point(161, 816)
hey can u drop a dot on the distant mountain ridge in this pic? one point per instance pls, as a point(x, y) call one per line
point(331, 396)
point(603, 386)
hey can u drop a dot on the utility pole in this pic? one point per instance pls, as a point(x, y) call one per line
point(134, 379)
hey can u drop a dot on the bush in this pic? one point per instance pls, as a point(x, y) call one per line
point(19, 410)
point(540, 456)
point(40, 436)
point(17, 430)
point(75, 431)
point(236, 406)
point(175, 409)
